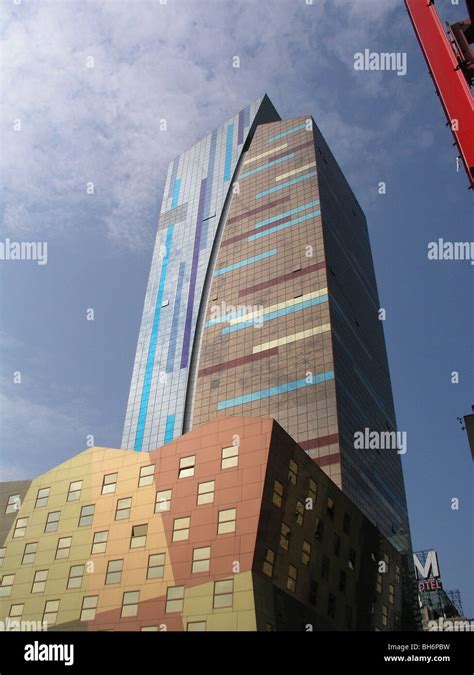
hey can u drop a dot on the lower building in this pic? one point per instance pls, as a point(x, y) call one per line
point(230, 527)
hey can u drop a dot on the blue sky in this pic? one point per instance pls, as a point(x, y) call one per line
point(102, 124)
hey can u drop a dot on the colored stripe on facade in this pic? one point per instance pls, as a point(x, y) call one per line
point(282, 186)
point(275, 391)
point(258, 209)
point(319, 442)
point(284, 226)
point(293, 130)
point(295, 171)
point(247, 261)
point(150, 362)
point(192, 281)
point(284, 277)
point(169, 430)
point(266, 166)
point(285, 214)
point(266, 154)
point(291, 309)
point(249, 358)
point(177, 186)
point(228, 152)
point(175, 320)
point(287, 339)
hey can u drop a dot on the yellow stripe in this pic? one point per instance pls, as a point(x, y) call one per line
point(292, 173)
point(291, 338)
point(281, 305)
point(265, 154)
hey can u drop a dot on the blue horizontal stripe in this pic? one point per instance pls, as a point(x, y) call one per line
point(282, 186)
point(283, 226)
point(293, 130)
point(291, 212)
point(247, 261)
point(274, 315)
point(275, 391)
point(267, 165)
point(226, 317)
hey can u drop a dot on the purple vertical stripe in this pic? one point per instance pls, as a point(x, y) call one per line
point(192, 281)
point(240, 137)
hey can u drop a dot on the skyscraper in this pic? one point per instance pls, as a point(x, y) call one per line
point(261, 306)
point(262, 301)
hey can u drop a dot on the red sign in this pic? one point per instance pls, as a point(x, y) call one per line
point(430, 585)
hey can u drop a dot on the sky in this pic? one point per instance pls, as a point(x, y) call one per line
point(173, 60)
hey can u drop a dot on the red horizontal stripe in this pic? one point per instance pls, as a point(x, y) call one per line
point(244, 235)
point(258, 209)
point(282, 278)
point(327, 459)
point(237, 362)
point(320, 441)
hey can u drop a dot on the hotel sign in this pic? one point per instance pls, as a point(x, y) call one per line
point(427, 571)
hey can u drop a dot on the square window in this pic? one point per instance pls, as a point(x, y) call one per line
point(223, 593)
point(130, 603)
point(196, 626)
point(75, 576)
point(89, 607)
point(201, 559)
point(268, 562)
point(174, 599)
point(139, 533)
point(124, 506)
point(391, 593)
point(74, 492)
point(181, 528)
point(50, 613)
point(147, 475)
point(87, 515)
point(313, 491)
point(29, 553)
point(306, 553)
point(331, 507)
point(99, 543)
point(109, 483)
point(291, 580)
point(299, 513)
point(153, 629)
point(42, 497)
point(226, 522)
point(156, 566)
point(20, 527)
point(13, 504)
point(52, 521)
point(16, 611)
point(63, 548)
point(39, 581)
point(230, 457)
point(6, 585)
point(285, 536)
point(114, 572)
point(186, 466)
point(206, 493)
point(293, 472)
point(277, 497)
point(163, 501)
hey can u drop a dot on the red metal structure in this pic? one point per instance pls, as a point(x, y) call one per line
point(451, 62)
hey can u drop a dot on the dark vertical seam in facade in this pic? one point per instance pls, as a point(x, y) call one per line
point(195, 351)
